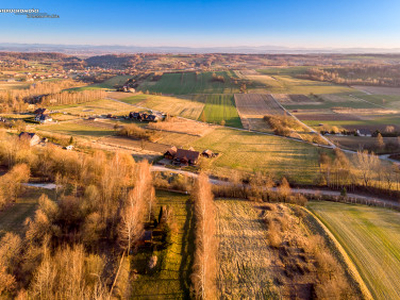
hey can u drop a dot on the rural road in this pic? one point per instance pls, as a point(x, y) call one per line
point(294, 190)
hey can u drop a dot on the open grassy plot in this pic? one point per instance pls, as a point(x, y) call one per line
point(97, 107)
point(281, 81)
point(12, 218)
point(244, 257)
point(248, 152)
point(131, 99)
point(83, 128)
point(171, 279)
point(190, 83)
point(371, 237)
point(266, 252)
point(107, 84)
point(221, 107)
point(173, 106)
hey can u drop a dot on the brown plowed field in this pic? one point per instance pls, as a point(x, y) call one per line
point(257, 104)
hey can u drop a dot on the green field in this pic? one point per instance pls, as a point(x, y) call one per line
point(221, 107)
point(107, 84)
point(249, 152)
point(281, 81)
point(371, 237)
point(82, 128)
point(172, 279)
point(189, 83)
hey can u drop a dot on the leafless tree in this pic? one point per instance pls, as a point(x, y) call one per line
point(204, 267)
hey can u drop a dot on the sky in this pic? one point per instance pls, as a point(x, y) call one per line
point(286, 23)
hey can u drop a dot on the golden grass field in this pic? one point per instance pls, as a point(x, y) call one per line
point(371, 237)
point(174, 106)
point(243, 255)
point(97, 107)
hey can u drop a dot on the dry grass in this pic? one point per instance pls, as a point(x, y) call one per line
point(174, 106)
point(244, 255)
point(96, 107)
point(176, 125)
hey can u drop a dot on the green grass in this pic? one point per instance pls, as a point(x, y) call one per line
point(107, 84)
point(171, 281)
point(221, 107)
point(82, 128)
point(134, 99)
point(189, 83)
point(248, 152)
point(371, 237)
point(12, 218)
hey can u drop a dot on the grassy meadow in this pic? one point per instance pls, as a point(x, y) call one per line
point(221, 107)
point(171, 280)
point(190, 83)
point(248, 152)
point(103, 106)
point(371, 237)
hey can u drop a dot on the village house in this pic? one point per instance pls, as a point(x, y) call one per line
point(32, 138)
point(42, 118)
point(182, 156)
point(364, 132)
point(144, 117)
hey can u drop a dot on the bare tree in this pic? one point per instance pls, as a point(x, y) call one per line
point(204, 267)
point(367, 164)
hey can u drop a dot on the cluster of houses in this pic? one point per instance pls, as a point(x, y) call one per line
point(153, 117)
point(188, 157)
point(42, 115)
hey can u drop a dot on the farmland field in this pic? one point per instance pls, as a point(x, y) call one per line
point(173, 106)
point(249, 152)
point(280, 81)
point(171, 281)
point(107, 84)
point(243, 255)
point(257, 104)
point(103, 106)
point(252, 266)
point(253, 107)
point(190, 83)
point(82, 128)
point(371, 237)
point(221, 107)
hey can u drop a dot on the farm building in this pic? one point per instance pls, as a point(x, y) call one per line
point(144, 117)
point(43, 118)
point(364, 132)
point(170, 154)
point(208, 153)
point(32, 138)
point(182, 156)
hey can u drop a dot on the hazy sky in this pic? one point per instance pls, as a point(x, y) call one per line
point(308, 23)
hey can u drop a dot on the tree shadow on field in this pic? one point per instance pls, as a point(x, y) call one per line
point(187, 251)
